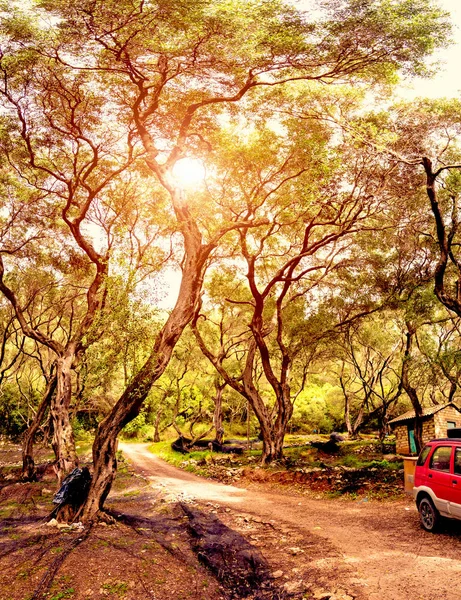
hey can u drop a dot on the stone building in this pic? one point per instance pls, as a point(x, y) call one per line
point(436, 421)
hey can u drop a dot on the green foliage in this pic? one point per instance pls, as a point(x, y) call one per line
point(165, 451)
point(315, 410)
point(407, 31)
point(118, 588)
point(12, 412)
point(68, 593)
point(135, 427)
point(281, 161)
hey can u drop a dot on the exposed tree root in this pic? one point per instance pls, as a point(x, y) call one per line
point(43, 587)
point(105, 517)
point(12, 546)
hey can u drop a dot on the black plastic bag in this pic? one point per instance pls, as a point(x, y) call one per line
point(74, 488)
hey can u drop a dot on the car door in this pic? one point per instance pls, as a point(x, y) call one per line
point(420, 476)
point(439, 478)
point(455, 500)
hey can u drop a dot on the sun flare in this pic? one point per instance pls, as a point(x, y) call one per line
point(189, 172)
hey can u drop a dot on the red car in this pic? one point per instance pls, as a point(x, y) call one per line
point(437, 481)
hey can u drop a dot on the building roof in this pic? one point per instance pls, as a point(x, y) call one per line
point(427, 412)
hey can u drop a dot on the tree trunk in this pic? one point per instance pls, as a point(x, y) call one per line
point(282, 422)
point(126, 409)
point(249, 391)
point(272, 434)
point(63, 442)
point(28, 464)
point(269, 451)
point(217, 415)
point(347, 407)
point(129, 404)
point(347, 415)
point(157, 425)
point(352, 428)
point(279, 437)
point(384, 428)
point(411, 391)
point(359, 421)
point(452, 392)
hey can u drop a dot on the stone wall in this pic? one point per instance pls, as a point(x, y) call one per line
point(441, 418)
point(433, 427)
point(402, 443)
point(401, 438)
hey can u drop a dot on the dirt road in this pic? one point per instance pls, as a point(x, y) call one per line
point(371, 550)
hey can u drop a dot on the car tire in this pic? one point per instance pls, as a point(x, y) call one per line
point(428, 514)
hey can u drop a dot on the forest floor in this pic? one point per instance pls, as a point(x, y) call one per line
point(305, 545)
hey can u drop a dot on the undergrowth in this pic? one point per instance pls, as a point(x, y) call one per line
point(165, 451)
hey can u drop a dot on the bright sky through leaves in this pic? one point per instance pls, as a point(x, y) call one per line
point(189, 172)
point(448, 81)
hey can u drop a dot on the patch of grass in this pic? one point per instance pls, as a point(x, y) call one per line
point(84, 447)
point(253, 452)
point(11, 508)
point(131, 493)
point(23, 574)
point(64, 579)
point(356, 462)
point(165, 451)
point(122, 465)
point(385, 464)
point(116, 587)
point(63, 594)
point(334, 494)
point(352, 461)
point(304, 453)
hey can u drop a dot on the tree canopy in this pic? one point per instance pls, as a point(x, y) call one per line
point(309, 219)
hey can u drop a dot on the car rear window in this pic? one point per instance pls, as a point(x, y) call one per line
point(424, 454)
point(440, 460)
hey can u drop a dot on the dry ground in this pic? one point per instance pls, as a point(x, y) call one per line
point(374, 550)
point(315, 548)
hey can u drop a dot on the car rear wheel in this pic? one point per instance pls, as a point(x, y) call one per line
point(428, 514)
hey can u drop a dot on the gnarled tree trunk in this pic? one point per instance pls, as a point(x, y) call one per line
point(129, 404)
point(63, 442)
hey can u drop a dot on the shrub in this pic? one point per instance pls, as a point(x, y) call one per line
point(134, 429)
